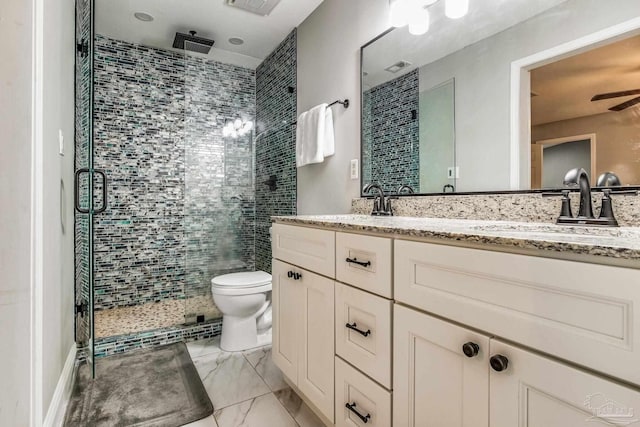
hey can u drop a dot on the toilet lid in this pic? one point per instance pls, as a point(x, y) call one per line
point(245, 279)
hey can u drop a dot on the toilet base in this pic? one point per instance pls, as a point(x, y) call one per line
point(240, 334)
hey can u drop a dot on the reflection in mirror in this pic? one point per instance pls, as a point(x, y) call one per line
point(583, 115)
point(477, 52)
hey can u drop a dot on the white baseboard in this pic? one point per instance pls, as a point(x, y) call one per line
point(60, 400)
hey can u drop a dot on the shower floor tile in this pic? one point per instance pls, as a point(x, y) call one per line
point(150, 316)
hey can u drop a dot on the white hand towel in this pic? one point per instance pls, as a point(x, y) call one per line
point(314, 136)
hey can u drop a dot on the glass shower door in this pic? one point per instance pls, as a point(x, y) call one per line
point(84, 210)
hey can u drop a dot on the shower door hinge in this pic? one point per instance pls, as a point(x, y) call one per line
point(82, 309)
point(83, 48)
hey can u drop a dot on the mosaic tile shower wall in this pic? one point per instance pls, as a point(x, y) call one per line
point(173, 178)
point(392, 134)
point(219, 196)
point(275, 148)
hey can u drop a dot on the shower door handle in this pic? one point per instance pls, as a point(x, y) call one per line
point(104, 191)
point(79, 208)
point(76, 193)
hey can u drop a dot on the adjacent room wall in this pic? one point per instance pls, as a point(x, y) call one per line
point(15, 198)
point(58, 116)
point(617, 141)
point(48, 342)
point(329, 43)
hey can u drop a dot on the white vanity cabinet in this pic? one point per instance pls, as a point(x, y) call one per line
point(440, 379)
point(303, 313)
point(435, 382)
point(535, 391)
point(432, 334)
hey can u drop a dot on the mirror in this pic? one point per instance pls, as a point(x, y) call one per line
point(500, 99)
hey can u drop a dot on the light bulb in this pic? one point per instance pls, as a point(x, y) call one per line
point(237, 124)
point(400, 12)
point(455, 9)
point(419, 22)
point(248, 125)
point(225, 131)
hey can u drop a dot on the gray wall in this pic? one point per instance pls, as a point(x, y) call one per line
point(15, 222)
point(329, 43)
point(47, 337)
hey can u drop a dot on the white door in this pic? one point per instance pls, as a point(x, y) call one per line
point(435, 382)
point(534, 391)
point(316, 354)
point(286, 301)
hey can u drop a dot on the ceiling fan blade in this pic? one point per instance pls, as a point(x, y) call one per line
point(615, 94)
point(626, 105)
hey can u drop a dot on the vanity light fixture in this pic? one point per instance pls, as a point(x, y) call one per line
point(455, 9)
point(415, 13)
point(236, 128)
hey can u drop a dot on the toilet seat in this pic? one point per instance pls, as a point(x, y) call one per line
point(243, 283)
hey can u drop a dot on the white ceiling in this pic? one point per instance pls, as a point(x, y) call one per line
point(564, 88)
point(212, 19)
point(445, 36)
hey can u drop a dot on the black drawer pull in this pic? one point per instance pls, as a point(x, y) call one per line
point(361, 332)
point(294, 275)
point(352, 407)
point(355, 261)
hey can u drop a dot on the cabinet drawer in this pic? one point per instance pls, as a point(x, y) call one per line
point(547, 393)
point(364, 396)
point(364, 262)
point(577, 311)
point(308, 248)
point(369, 349)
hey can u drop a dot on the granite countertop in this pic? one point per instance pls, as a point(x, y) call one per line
point(615, 245)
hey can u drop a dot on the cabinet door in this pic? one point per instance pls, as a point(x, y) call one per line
point(534, 391)
point(286, 298)
point(316, 340)
point(435, 383)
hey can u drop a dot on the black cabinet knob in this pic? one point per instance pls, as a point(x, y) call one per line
point(470, 349)
point(289, 274)
point(499, 362)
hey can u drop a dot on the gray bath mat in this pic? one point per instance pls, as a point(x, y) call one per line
point(154, 387)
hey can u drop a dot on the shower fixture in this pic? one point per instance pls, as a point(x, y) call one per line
point(236, 128)
point(192, 43)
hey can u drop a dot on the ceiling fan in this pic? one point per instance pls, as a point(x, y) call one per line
point(624, 105)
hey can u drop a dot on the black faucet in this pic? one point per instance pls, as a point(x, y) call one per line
point(405, 187)
point(381, 204)
point(578, 178)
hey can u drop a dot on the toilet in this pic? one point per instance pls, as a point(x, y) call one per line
point(244, 299)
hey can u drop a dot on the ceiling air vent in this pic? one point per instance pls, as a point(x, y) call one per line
point(259, 7)
point(397, 66)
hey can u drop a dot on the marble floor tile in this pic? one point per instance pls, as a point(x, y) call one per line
point(263, 411)
point(205, 422)
point(203, 347)
point(260, 359)
point(303, 415)
point(229, 378)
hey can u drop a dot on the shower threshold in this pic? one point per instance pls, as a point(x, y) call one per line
point(151, 316)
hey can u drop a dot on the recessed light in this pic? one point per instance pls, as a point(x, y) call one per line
point(144, 17)
point(236, 40)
